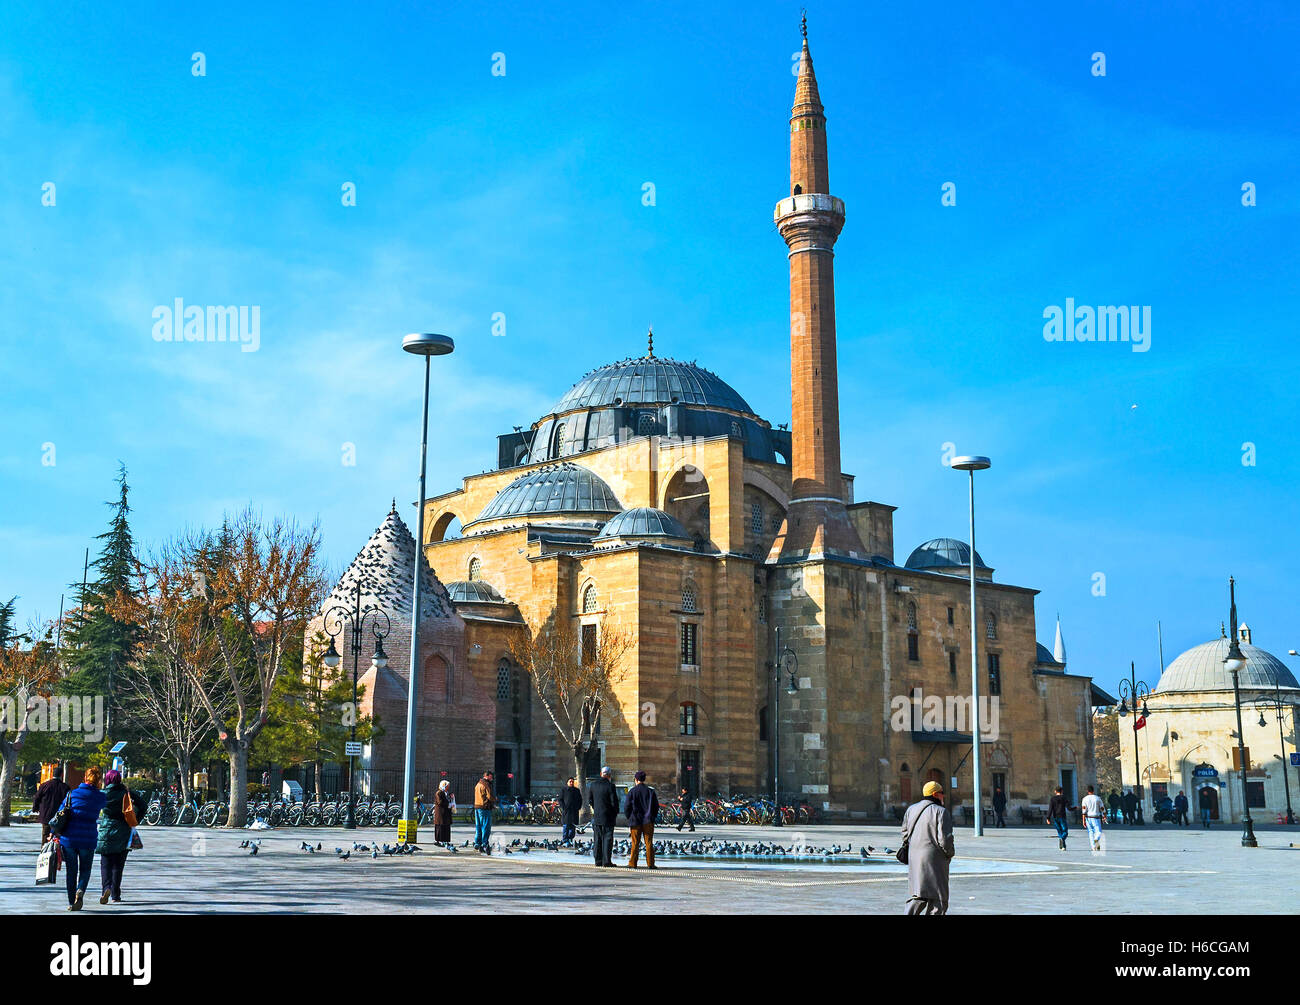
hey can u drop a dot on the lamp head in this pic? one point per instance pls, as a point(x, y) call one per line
point(428, 344)
point(971, 463)
point(381, 658)
point(331, 658)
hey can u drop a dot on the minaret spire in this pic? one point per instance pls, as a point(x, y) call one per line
point(810, 219)
point(650, 342)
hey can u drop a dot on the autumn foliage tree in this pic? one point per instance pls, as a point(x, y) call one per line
point(574, 677)
point(28, 670)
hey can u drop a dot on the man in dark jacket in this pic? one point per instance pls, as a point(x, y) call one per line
point(49, 797)
point(1180, 810)
point(1116, 806)
point(641, 808)
point(687, 803)
point(1058, 812)
point(603, 800)
point(1130, 807)
point(999, 807)
point(570, 807)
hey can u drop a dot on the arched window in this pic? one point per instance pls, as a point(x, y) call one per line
point(911, 617)
point(688, 598)
point(991, 625)
point(686, 718)
point(645, 425)
point(736, 431)
point(589, 600)
point(756, 519)
point(559, 440)
point(503, 680)
point(913, 637)
point(762, 610)
point(475, 570)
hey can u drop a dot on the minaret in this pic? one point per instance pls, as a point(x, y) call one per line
point(1058, 651)
point(810, 219)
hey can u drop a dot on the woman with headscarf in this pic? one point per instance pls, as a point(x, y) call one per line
point(79, 834)
point(114, 837)
point(443, 805)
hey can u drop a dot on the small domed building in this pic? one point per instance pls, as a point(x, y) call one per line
point(1189, 741)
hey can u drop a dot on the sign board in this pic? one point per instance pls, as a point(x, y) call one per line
point(1295, 760)
point(406, 830)
point(118, 747)
point(1237, 753)
point(291, 790)
point(1205, 771)
point(352, 748)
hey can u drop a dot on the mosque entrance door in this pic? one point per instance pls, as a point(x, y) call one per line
point(1208, 797)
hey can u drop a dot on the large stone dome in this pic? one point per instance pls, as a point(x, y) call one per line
point(648, 396)
point(1201, 669)
point(556, 489)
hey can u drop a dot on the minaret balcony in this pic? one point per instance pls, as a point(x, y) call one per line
point(809, 202)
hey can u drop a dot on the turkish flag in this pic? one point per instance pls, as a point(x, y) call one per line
point(1141, 721)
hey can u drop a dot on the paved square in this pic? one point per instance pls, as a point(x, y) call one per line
point(1148, 870)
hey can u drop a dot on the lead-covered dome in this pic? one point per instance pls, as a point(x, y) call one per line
point(644, 523)
point(560, 489)
point(944, 553)
point(651, 381)
point(1201, 669)
point(465, 591)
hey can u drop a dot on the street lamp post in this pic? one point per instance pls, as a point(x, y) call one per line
point(1236, 662)
point(1137, 691)
point(427, 345)
point(334, 620)
point(971, 465)
point(788, 661)
point(1276, 705)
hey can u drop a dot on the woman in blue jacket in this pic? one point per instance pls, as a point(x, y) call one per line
point(81, 834)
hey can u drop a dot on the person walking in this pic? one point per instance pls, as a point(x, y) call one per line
point(602, 797)
point(49, 797)
point(116, 822)
point(1180, 810)
point(484, 801)
point(444, 805)
point(1094, 811)
point(927, 834)
point(81, 834)
point(1207, 794)
point(570, 808)
point(1130, 807)
point(999, 808)
point(642, 809)
point(1115, 803)
point(687, 818)
point(1058, 812)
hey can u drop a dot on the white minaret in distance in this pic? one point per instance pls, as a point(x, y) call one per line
point(1058, 650)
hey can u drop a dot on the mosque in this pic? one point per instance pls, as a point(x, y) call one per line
point(774, 629)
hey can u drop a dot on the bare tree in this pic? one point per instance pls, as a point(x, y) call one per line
point(176, 648)
point(573, 676)
point(262, 583)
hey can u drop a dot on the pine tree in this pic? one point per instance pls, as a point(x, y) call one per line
point(101, 644)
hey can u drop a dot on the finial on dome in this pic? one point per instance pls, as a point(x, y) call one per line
point(803, 23)
point(1223, 631)
point(394, 508)
point(650, 342)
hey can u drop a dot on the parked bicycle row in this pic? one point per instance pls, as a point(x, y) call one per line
point(375, 811)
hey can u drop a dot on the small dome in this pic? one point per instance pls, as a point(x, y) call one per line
point(943, 553)
point(1201, 669)
point(644, 521)
point(1045, 655)
point(650, 380)
point(473, 592)
point(557, 488)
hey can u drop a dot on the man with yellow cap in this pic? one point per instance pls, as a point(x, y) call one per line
point(927, 836)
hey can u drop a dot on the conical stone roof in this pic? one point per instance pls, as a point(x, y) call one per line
point(386, 569)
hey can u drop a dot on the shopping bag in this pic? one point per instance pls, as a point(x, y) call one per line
point(47, 862)
point(136, 843)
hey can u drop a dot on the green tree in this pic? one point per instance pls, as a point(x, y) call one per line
point(311, 713)
point(99, 642)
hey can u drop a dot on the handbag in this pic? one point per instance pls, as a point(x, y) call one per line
point(47, 862)
point(901, 854)
point(136, 843)
point(128, 812)
point(59, 822)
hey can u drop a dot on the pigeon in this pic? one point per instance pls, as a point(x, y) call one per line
point(345, 855)
point(243, 843)
point(306, 847)
point(255, 845)
point(374, 853)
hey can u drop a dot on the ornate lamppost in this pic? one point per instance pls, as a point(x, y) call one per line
point(1137, 691)
point(1235, 663)
point(334, 620)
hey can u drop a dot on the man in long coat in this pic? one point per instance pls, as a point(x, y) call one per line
point(927, 829)
point(602, 797)
point(570, 808)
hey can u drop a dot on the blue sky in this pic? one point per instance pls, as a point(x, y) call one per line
point(522, 194)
